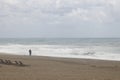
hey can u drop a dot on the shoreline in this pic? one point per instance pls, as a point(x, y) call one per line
point(52, 68)
point(61, 57)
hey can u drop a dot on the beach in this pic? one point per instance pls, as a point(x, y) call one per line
point(51, 68)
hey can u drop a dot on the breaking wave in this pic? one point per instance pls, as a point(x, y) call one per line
point(66, 51)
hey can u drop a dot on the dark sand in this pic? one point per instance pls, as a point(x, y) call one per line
point(46, 68)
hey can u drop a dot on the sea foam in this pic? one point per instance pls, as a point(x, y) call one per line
point(66, 51)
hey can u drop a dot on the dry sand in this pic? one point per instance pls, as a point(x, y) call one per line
point(46, 68)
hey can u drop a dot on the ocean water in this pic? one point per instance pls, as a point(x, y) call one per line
point(90, 48)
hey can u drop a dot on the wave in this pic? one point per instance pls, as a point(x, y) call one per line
point(68, 51)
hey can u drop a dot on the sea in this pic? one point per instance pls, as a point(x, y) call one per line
point(86, 48)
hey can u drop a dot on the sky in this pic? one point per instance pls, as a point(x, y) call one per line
point(60, 18)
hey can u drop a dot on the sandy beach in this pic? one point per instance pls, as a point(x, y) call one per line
point(48, 68)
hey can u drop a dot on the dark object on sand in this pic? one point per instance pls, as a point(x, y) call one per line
point(9, 62)
point(20, 63)
point(16, 63)
point(1, 61)
point(6, 62)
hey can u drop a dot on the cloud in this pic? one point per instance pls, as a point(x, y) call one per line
point(75, 14)
point(86, 10)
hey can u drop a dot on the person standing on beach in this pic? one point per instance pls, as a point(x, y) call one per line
point(30, 52)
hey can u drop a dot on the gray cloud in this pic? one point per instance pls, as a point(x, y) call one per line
point(59, 16)
point(88, 10)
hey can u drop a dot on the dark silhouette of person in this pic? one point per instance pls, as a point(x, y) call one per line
point(30, 52)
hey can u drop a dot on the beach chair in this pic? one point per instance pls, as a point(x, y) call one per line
point(16, 62)
point(6, 62)
point(1, 61)
point(9, 62)
point(20, 63)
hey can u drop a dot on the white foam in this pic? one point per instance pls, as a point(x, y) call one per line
point(93, 52)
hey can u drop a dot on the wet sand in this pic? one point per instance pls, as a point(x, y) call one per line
point(48, 68)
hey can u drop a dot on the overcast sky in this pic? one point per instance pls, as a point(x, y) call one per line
point(60, 18)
